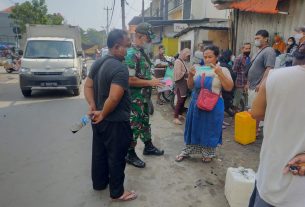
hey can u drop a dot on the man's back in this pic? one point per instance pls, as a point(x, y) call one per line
point(284, 138)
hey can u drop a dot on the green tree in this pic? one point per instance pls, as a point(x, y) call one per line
point(94, 37)
point(55, 19)
point(34, 12)
point(85, 39)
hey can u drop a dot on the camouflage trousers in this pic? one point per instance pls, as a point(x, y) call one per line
point(139, 119)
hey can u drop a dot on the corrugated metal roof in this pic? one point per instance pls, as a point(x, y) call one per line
point(284, 25)
point(188, 21)
point(258, 6)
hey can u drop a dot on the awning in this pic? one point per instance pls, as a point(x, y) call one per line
point(259, 6)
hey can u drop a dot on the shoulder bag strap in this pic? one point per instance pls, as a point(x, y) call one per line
point(183, 65)
point(146, 57)
point(202, 80)
point(252, 61)
point(102, 61)
point(258, 54)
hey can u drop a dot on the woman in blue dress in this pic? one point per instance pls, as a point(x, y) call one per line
point(203, 129)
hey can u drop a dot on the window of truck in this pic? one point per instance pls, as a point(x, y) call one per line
point(46, 49)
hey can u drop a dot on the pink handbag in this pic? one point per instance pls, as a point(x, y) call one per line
point(207, 100)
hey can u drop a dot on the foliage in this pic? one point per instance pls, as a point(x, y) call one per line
point(93, 37)
point(34, 12)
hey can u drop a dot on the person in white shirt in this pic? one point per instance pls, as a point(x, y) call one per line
point(280, 103)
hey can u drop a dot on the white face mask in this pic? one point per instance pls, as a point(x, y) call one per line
point(146, 45)
point(232, 58)
point(289, 43)
point(257, 43)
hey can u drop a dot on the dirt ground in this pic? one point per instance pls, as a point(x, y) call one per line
point(165, 182)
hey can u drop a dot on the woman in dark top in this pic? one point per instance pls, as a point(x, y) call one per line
point(228, 96)
point(291, 47)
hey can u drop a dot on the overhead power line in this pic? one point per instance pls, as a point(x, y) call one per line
point(112, 12)
point(128, 4)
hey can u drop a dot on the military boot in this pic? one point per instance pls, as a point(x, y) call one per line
point(150, 149)
point(133, 159)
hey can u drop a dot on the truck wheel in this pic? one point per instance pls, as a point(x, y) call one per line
point(76, 92)
point(26, 93)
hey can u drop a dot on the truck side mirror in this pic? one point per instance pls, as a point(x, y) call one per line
point(79, 53)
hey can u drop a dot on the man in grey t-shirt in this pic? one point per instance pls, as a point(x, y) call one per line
point(262, 62)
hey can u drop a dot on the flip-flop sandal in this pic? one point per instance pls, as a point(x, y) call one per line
point(129, 196)
point(207, 160)
point(180, 158)
point(177, 122)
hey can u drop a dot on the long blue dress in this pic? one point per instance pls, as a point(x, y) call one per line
point(202, 127)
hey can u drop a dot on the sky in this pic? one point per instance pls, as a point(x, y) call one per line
point(89, 13)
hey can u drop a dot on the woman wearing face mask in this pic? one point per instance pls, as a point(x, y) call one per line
point(180, 77)
point(290, 49)
point(225, 60)
point(299, 54)
point(203, 128)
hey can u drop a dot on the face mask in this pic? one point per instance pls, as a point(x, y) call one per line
point(257, 43)
point(232, 58)
point(247, 53)
point(290, 43)
point(146, 46)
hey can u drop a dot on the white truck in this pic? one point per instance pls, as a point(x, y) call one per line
point(52, 59)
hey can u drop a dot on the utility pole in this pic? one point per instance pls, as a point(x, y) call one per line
point(107, 26)
point(162, 9)
point(142, 10)
point(123, 14)
point(165, 17)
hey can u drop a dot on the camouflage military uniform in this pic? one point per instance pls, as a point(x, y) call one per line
point(140, 68)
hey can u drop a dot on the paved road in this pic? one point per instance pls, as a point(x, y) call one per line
point(42, 164)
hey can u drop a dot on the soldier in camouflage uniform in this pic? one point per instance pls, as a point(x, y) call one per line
point(141, 83)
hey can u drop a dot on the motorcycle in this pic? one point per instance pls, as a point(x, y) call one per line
point(12, 65)
point(167, 95)
point(171, 97)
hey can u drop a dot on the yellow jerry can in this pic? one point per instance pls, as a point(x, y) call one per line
point(245, 128)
